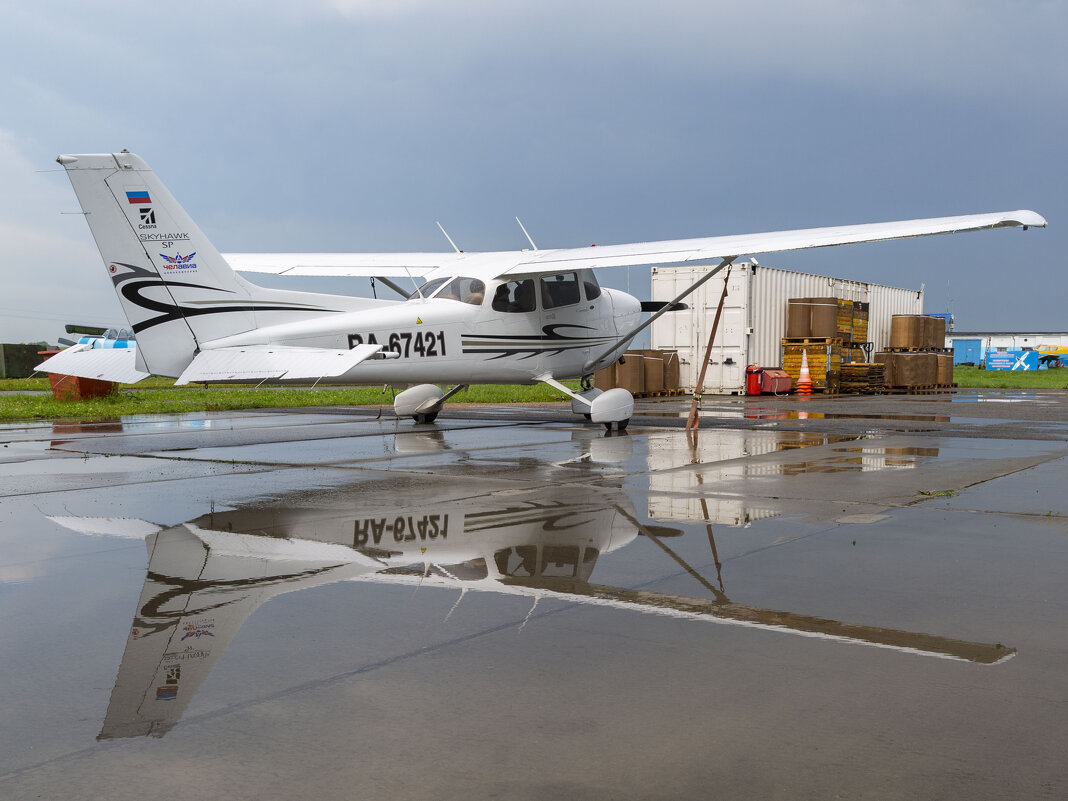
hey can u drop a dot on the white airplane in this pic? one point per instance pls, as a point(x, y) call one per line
point(515, 317)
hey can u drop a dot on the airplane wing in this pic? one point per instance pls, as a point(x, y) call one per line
point(675, 251)
point(106, 364)
point(354, 265)
point(258, 362)
point(721, 247)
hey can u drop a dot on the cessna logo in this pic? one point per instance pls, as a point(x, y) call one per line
point(148, 217)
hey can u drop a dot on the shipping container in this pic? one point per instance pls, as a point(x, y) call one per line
point(754, 317)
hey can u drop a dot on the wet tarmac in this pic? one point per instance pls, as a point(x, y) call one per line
point(854, 598)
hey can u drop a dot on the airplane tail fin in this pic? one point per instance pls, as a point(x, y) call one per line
point(176, 289)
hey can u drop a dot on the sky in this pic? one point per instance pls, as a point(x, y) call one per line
point(356, 125)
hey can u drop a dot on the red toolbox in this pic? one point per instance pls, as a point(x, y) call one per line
point(774, 381)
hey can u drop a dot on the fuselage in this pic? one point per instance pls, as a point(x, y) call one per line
point(467, 330)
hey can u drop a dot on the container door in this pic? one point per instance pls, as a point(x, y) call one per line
point(966, 350)
point(726, 369)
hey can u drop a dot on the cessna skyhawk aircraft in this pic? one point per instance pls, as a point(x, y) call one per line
point(514, 317)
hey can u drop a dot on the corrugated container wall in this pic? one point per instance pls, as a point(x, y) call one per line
point(754, 317)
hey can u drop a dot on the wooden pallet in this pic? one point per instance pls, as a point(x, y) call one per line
point(918, 350)
point(811, 340)
point(831, 387)
point(863, 377)
point(926, 389)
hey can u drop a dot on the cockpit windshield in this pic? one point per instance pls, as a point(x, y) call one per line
point(427, 289)
point(466, 290)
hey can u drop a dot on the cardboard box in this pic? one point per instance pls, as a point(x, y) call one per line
point(654, 371)
point(631, 374)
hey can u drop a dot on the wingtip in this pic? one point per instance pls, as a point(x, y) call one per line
point(1026, 218)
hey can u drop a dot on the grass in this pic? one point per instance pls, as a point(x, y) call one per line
point(29, 384)
point(162, 397)
point(1057, 378)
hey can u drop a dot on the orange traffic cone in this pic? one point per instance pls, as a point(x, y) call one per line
point(804, 381)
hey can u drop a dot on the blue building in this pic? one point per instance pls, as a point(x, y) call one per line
point(974, 347)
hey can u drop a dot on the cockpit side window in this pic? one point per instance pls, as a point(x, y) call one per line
point(589, 283)
point(427, 289)
point(559, 290)
point(467, 290)
point(515, 296)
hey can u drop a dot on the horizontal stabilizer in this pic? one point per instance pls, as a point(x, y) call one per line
point(263, 362)
point(104, 364)
point(127, 527)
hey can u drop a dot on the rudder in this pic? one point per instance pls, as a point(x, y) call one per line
point(175, 288)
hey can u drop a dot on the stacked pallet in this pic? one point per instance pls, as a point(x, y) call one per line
point(916, 359)
point(824, 355)
point(643, 373)
point(863, 377)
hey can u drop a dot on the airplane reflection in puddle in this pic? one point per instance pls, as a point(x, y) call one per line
point(207, 576)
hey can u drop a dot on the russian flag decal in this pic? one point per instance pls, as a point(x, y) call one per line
point(138, 196)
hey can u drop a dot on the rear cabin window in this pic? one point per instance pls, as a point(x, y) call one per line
point(515, 296)
point(559, 290)
point(466, 290)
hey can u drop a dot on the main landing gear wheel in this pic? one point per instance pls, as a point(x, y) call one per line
point(620, 425)
point(425, 418)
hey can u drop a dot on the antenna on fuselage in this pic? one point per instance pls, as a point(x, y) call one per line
point(531, 241)
point(449, 238)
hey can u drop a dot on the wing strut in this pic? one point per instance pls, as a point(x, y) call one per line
point(693, 420)
point(626, 338)
point(391, 285)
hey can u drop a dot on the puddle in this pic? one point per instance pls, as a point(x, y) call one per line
point(540, 572)
point(74, 465)
point(18, 448)
point(205, 577)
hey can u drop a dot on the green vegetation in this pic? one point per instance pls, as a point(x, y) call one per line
point(1057, 378)
point(41, 384)
point(161, 397)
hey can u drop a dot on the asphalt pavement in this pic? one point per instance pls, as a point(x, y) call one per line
point(853, 597)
